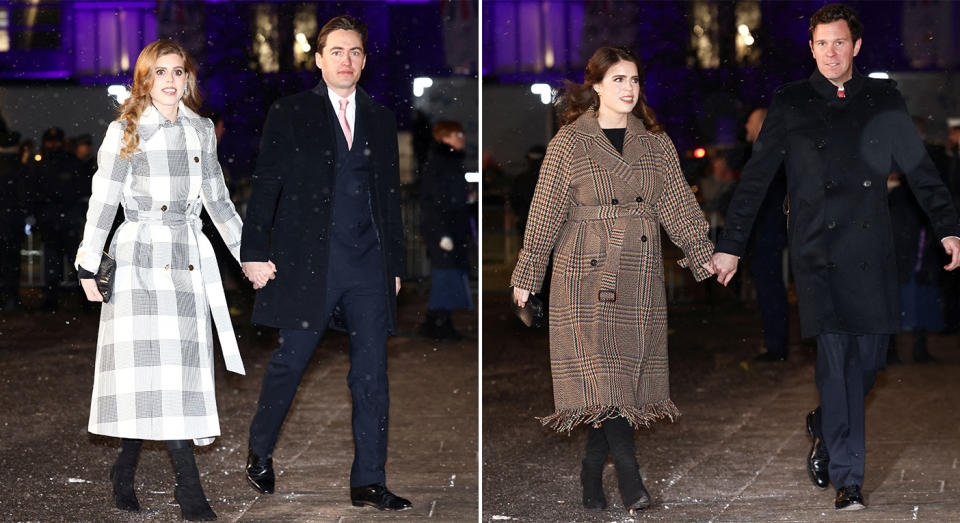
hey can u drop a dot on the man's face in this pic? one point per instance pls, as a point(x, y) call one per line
point(834, 52)
point(754, 123)
point(341, 60)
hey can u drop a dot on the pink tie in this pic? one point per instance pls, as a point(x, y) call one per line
point(343, 123)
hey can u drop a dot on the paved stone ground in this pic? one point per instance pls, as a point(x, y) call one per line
point(53, 469)
point(737, 453)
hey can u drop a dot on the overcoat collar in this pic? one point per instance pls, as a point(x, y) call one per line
point(151, 120)
point(600, 150)
point(826, 89)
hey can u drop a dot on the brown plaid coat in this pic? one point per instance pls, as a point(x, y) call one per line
point(600, 214)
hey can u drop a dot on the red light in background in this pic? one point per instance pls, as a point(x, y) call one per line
point(699, 152)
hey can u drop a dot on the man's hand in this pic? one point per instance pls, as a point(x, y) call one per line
point(446, 243)
point(952, 245)
point(521, 296)
point(725, 266)
point(398, 285)
point(259, 273)
point(90, 289)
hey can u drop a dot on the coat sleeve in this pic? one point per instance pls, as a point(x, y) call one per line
point(923, 178)
point(267, 184)
point(106, 190)
point(216, 198)
point(394, 226)
point(548, 212)
point(765, 160)
point(680, 214)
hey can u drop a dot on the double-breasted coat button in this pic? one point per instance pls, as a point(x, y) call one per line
point(863, 265)
point(832, 225)
point(867, 183)
point(190, 267)
point(831, 265)
point(821, 144)
point(196, 159)
point(828, 185)
point(163, 208)
point(639, 199)
point(866, 225)
point(594, 263)
point(188, 206)
point(643, 238)
point(615, 201)
point(166, 267)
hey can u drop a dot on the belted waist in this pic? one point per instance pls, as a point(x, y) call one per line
point(170, 217)
point(580, 213)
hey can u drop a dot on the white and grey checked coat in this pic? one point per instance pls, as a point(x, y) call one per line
point(154, 365)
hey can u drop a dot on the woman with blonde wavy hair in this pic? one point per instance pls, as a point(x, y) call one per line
point(610, 180)
point(154, 375)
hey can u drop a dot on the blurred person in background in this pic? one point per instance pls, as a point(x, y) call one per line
point(153, 382)
point(610, 179)
point(55, 195)
point(765, 251)
point(12, 217)
point(445, 226)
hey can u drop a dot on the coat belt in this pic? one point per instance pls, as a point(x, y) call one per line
point(582, 213)
point(209, 271)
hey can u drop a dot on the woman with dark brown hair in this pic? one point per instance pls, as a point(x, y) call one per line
point(610, 180)
point(154, 376)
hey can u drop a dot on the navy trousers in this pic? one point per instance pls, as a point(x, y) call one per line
point(362, 300)
point(847, 366)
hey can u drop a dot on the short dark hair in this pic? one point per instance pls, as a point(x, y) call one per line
point(347, 23)
point(833, 12)
point(445, 128)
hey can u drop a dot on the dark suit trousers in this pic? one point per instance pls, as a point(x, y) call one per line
point(847, 367)
point(766, 266)
point(362, 300)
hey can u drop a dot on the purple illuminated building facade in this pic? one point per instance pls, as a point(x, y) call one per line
point(248, 53)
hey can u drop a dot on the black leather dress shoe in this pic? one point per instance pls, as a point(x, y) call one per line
point(377, 496)
point(260, 472)
point(818, 459)
point(850, 498)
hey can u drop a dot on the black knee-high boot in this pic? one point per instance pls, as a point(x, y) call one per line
point(122, 472)
point(188, 492)
point(620, 438)
point(591, 475)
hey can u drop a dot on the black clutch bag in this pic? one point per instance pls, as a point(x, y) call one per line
point(532, 314)
point(104, 276)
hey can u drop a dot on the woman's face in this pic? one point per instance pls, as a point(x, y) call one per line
point(169, 79)
point(620, 88)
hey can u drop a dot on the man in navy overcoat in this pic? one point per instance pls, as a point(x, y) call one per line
point(839, 135)
point(323, 231)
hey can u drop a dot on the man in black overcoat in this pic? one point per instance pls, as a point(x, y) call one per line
point(839, 134)
point(323, 230)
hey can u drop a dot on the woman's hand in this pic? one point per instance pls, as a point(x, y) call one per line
point(709, 267)
point(521, 296)
point(90, 289)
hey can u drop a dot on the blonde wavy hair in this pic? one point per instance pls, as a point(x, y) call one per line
point(143, 76)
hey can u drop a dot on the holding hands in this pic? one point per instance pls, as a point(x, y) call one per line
point(259, 273)
point(725, 266)
point(951, 244)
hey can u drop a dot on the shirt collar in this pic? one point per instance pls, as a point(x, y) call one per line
point(335, 98)
point(827, 90)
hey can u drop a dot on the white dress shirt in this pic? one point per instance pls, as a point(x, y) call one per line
point(351, 108)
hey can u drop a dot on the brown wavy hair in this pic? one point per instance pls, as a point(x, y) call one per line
point(143, 75)
point(576, 99)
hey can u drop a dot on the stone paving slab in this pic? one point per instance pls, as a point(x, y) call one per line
point(737, 452)
point(55, 471)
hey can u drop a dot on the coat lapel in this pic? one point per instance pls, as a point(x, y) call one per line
point(319, 122)
point(600, 150)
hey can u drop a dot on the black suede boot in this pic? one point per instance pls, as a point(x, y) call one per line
point(188, 492)
point(122, 472)
point(591, 475)
point(620, 438)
